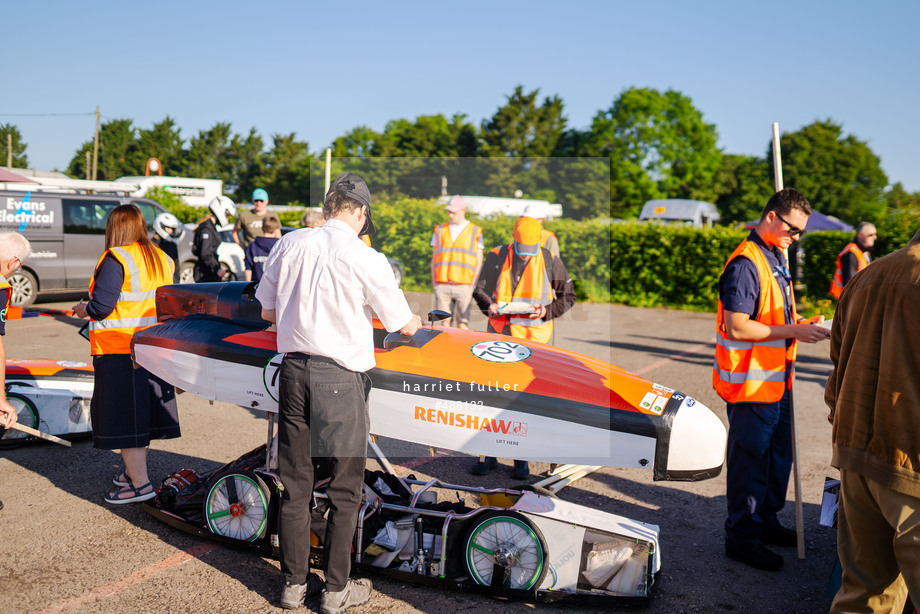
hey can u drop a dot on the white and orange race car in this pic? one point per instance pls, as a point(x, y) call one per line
point(476, 393)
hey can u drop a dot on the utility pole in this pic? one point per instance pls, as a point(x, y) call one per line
point(88, 163)
point(328, 170)
point(96, 145)
point(9, 151)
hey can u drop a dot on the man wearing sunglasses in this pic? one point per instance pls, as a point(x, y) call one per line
point(758, 328)
point(14, 249)
point(854, 257)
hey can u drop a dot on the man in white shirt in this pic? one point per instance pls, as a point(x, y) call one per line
point(320, 285)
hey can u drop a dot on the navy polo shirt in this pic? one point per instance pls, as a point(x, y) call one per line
point(739, 285)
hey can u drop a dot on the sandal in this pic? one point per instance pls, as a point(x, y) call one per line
point(121, 479)
point(115, 497)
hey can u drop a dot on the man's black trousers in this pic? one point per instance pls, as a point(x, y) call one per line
point(323, 418)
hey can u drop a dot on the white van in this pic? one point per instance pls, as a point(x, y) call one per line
point(694, 213)
point(194, 191)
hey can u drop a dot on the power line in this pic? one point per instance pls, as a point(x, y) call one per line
point(44, 114)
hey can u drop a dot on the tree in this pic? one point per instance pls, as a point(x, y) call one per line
point(359, 142)
point(421, 151)
point(838, 174)
point(659, 147)
point(163, 142)
point(19, 158)
point(117, 141)
point(208, 152)
point(744, 186)
point(245, 166)
point(288, 167)
point(522, 128)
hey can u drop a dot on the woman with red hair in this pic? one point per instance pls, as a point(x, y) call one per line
point(130, 406)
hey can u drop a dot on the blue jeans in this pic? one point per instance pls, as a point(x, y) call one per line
point(758, 461)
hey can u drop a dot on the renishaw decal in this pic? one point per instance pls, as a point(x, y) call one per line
point(500, 351)
point(463, 420)
point(70, 363)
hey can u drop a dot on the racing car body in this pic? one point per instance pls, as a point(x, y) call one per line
point(473, 392)
point(51, 396)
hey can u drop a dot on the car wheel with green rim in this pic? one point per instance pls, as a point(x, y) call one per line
point(237, 506)
point(503, 550)
point(26, 414)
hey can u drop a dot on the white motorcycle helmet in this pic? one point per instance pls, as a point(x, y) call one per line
point(167, 226)
point(222, 208)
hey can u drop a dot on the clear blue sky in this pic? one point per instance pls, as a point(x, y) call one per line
point(320, 69)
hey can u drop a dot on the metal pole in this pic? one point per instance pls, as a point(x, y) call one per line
point(777, 159)
point(328, 171)
point(796, 457)
point(96, 145)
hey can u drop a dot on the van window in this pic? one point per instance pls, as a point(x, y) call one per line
point(150, 212)
point(86, 217)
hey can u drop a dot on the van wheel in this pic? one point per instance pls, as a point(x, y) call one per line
point(187, 273)
point(24, 289)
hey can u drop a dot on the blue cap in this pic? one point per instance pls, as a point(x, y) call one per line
point(259, 194)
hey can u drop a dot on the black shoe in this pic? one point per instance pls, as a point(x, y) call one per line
point(758, 557)
point(483, 467)
point(521, 470)
point(779, 536)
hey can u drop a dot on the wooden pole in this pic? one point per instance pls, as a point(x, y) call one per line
point(88, 164)
point(796, 457)
point(96, 145)
point(9, 151)
point(39, 434)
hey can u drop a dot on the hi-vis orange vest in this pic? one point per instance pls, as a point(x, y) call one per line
point(545, 236)
point(754, 372)
point(455, 261)
point(136, 308)
point(837, 283)
point(534, 288)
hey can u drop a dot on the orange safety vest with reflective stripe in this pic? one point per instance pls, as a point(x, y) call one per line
point(837, 282)
point(136, 307)
point(534, 287)
point(754, 371)
point(5, 308)
point(545, 236)
point(455, 261)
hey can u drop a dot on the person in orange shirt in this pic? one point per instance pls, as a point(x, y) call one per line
point(522, 272)
point(548, 238)
point(130, 406)
point(757, 330)
point(854, 257)
point(455, 262)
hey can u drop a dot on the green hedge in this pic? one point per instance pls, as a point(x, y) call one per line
point(634, 263)
point(820, 262)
